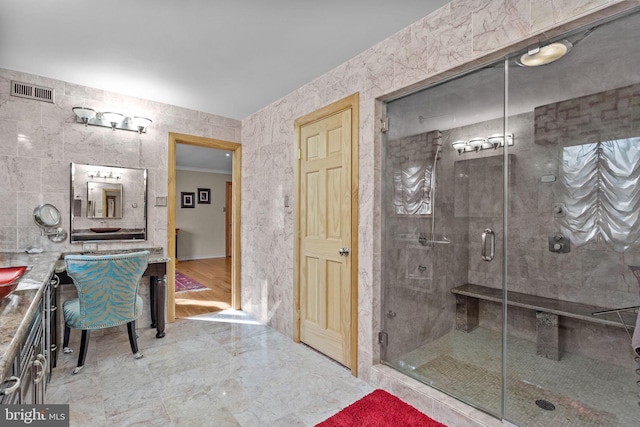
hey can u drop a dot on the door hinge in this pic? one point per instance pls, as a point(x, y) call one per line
point(383, 338)
point(384, 125)
point(299, 153)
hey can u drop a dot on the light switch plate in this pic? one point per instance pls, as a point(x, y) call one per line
point(161, 201)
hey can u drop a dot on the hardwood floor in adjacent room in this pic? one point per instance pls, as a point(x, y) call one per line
point(215, 274)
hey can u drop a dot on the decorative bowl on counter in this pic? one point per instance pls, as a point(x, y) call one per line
point(9, 278)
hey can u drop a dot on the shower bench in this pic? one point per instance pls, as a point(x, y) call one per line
point(547, 312)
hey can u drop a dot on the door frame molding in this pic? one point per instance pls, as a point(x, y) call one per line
point(349, 102)
point(179, 138)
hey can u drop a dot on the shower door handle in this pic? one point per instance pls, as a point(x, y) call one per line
point(492, 244)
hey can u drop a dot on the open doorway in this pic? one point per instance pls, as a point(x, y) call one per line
point(207, 256)
point(203, 271)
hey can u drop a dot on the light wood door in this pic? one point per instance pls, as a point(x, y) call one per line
point(325, 231)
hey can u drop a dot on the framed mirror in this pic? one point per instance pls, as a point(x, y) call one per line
point(108, 203)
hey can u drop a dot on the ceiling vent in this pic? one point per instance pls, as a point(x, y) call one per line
point(30, 91)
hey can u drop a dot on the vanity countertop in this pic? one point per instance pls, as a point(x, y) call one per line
point(17, 310)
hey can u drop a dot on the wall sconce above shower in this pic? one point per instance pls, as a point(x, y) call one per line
point(88, 116)
point(477, 144)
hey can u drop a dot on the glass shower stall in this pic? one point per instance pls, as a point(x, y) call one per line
point(511, 232)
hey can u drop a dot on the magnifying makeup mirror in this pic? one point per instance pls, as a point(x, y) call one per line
point(48, 218)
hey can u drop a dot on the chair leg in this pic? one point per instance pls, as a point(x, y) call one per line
point(84, 345)
point(131, 329)
point(65, 343)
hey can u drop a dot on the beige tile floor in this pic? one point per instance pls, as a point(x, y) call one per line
point(219, 370)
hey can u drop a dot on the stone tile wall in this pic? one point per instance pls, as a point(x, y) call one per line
point(38, 141)
point(602, 116)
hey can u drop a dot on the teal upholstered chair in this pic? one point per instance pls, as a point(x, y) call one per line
point(107, 296)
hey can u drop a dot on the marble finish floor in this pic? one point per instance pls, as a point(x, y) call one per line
point(221, 369)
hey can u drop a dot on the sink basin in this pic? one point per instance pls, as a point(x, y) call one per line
point(9, 277)
point(105, 230)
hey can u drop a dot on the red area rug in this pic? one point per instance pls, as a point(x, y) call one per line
point(380, 409)
point(186, 283)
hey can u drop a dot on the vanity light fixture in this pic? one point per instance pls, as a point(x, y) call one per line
point(88, 116)
point(113, 118)
point(477, 144)
point(141, 123)
point(544, 55)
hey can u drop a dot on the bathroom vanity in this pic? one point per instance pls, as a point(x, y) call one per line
point(28, 321)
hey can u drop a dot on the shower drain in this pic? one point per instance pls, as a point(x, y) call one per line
point(545, 404)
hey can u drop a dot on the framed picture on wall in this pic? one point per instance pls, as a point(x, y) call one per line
point(187, 200)
point(204, 195)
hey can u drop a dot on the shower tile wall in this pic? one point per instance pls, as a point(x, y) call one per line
point(598, 274)
point(420, 275)
point(593, 273)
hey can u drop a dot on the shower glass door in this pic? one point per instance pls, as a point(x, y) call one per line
point(511, 233)
point(442, 233)
point(573, 231)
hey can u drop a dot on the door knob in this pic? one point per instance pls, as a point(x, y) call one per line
point(343, 251)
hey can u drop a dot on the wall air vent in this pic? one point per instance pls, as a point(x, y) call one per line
point(30, 91)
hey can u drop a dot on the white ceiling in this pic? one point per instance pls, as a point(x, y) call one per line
point(200, 159)
point(225, 57)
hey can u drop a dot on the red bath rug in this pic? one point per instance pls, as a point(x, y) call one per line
point(186, 283)
point(379, 409)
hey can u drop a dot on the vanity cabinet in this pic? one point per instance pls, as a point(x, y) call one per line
point(32, 362)
point(30, 369)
